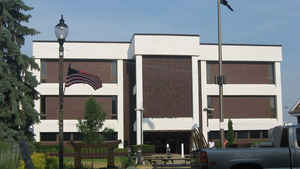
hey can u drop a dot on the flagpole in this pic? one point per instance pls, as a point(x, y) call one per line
point(220, 79)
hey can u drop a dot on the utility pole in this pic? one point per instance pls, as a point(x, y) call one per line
point(220, 77)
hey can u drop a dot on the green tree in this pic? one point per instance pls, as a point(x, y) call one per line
point(230, 133)
point(93, 121)
point(17, 83)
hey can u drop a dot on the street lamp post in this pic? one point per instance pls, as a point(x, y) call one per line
point(220, 79)
point(61, 32)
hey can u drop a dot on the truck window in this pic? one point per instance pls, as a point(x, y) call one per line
point(284, 138)
point(298, 136)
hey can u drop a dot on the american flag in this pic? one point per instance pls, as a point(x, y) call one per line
point(77, 76)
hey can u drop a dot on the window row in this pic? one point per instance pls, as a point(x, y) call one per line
point(74, 106)
point(241, 72)
point(106, 70)
point(75, 136)
point(243, 107)
point(241, 134)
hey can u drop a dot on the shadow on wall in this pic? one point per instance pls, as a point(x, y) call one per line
point(145, 122)
point(149, 123)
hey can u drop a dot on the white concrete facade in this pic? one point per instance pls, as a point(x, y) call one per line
point(173, 45)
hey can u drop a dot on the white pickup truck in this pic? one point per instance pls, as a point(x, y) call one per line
point(282, 152)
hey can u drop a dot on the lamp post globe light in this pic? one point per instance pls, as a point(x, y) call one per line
point(61, 32)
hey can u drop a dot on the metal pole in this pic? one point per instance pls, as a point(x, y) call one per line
point(220, 77)
point(61, 103)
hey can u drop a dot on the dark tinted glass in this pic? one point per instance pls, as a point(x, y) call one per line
point(48, 136)
point(114, 108)
point(77, 136)
point(265, 134)
point(114, 71)
point(43, 71)
point(212, 135)
point(255, 134)
point(242, 134)
point(67, 136)
point(43, 107)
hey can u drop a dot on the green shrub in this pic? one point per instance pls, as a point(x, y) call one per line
point(38, 160)
point(146, 148)
point(41, 161)
point(126, 162)
point(230, 133)
point(51, 162)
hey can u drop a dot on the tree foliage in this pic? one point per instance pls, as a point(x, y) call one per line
point(230, 133)
point(17, 83)
point(93, 121)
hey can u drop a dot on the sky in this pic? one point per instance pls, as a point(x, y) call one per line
point(254, 22)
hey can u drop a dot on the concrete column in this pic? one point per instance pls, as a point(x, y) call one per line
point(139, 99)
point(37, 103)
point(203, 81)
point(195, 84)
point(36, 127)
point(277, 74)
point(120, 103)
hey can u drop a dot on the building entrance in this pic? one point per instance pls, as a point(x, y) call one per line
point(173, 138)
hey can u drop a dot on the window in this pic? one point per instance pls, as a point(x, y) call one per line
point(208, 74)
point(43, 107)
point(67, 136)
point(43, 71)
point(242, 134)
point(48, 136)
point(209, 105)
point(209, 101)
point(237, 72)
point(298, 136)
point(255, 134)
point(213, 135)
point(244, 106)
point(74, 106)
point(271, 73)
point(114, 107)
point(77, 136)
point(265, 134)
point(110, 136)
point(273, 106)
point(114, 71)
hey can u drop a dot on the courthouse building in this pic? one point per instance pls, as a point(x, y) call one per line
point(167, 81)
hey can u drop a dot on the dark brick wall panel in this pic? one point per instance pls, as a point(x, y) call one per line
point(167, 86)
point(242, 72)
point(243, 107)
point(129, 99)
point(74, 106)
point(101, 68)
